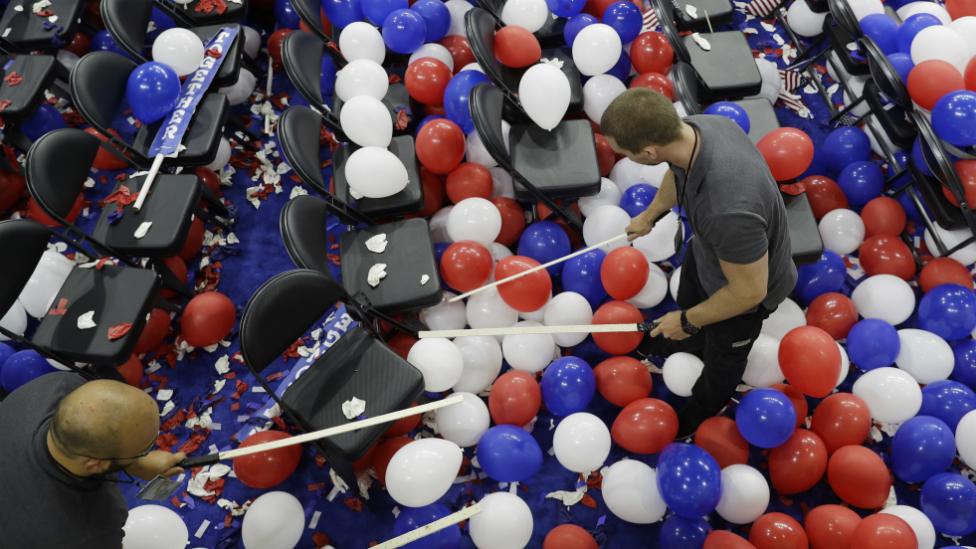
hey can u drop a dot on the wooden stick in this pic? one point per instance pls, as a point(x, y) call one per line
point(709, 21)
point(430, 528)
point(267, 92)
point(144, 191)
point(521, 330)
point(526, 272)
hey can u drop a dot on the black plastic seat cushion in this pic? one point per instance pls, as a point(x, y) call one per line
point(806, 244)
point(762, 117)
point(410, 199)
point(839, 38)
point(892, 118)
point(562, 163)
point(728, 70)
point(201, 139)
point(37, 72)
point(32, 32)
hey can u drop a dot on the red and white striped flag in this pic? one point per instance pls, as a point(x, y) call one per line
point(762, 8)
point(651, 22)
point(791, 79)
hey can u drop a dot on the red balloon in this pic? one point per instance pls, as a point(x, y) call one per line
point(426, 79)
point(194, 240)
point(651, 52)
point(516, 47)
point(966, 170)
point(654, 81)
point(796, 397)
point(35, 212)
point(887, 255)
point(12, 187)
point(777, 531)
point(178, 268)
point(930, 80)
point(831, 526)
point(645, 426)
point(275, 42)
point(723, 539)
point(384, 453)
point(515, 398)
point(721, 438)
point(960, 8)
point(841, 419)
point(153, 332)
point(440, 145)
point(105, 160)
point(80, 44)
point(525, 294)
point(513, 220)
point(824, 194)
point(944, 270)
point(568, 536)
point(810, 360)
point(618, 312)
point(207, 319)
point(604, 154)
point(460, 51)
point(364, 462)
point(883, 216)
point(970, 75)
point(469, 180)
point(859, 477)
point(466, 265)
point(624, 272)
point(404, 425)
point(433, 192)
point(833, 313)
point(131, 371)
point(622, 380)
point(884, 531)
point(788, 152)
point(209, 178)
point(798, 464)
point(401, 343)
point(268, 468)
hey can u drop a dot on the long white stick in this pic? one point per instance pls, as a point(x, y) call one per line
point(520, 330)
point(526, 272)
point(430, 528)
point(144, 191)
point(267, 92)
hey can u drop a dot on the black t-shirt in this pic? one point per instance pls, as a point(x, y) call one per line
point(42, 506)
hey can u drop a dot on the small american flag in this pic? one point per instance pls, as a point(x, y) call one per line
point(791, 79)
point(651, 22)
point(762, 8)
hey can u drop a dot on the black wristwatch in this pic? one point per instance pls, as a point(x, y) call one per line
point(688, 327)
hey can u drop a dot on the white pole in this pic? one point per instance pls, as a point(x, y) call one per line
point(267, 92)
point(430, 528)
point(150, 177)
point(521, 330)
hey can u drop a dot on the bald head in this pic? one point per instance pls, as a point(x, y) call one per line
point(106, 419)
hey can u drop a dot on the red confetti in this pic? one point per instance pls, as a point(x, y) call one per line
point(166, 441)
point(215, 53)
point(13, 79)
point(119, 331)
point(121, 197)
point(333, 258)
point(171, 423)
point(44, 13)
point(315, 487)
point(321, 539)
point(176, 502)
point(280, 423)
point(210, 6)
point(290, 352)
point(61, 309)
point(228, 520)
point(193, 443)
point(319, 461)
point(216, 486)
point(241, 387)
point(102, 261)
point(595, 481)
point(356, 504)
point(235, 406)
point(588, 501)
point(395, 79)
point(4, 103)
point(275, 376)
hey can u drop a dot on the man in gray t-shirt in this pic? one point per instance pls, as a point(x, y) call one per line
point(739, 266)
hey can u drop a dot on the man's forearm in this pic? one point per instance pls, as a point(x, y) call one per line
point(722, 305)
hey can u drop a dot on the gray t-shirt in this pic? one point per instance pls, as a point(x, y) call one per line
point(735, 208)
point(41, 505)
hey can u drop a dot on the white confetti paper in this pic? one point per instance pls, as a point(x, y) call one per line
point(142, 229)
point(376, 274)
point(692, 11)
point(86, 321)
point(353, 408)
point(702, 43)
point(163, 395)
point(424, 279)
point(377, 243)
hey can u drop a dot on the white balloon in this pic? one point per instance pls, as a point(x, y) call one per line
point(528, 14)
point(544, 92)
point(154, 527)
point(804, 21)
point(842, 231)
point(581, 442)
point(180, 49)
point(966, 438)
point(609, 195)
point(375, 172)
point(14, 320)
point(596, 49)
point(965, 27)
point(45, 283)
point(482, 357)
point(678, 107)
point(932, 8)
point(681, 371)
point(476, 152)
point(566, 309)
point(598, 92)
point(360, 40)
point(422, 471)
point(630, 491)
point(505, 522)
point(439, 360)
point(240, 91)
point(771, 81)
point(877, 147)
point(886, 297)
point(528, 352)
point(445, 315)
point(835, 68)
point(745, 494)
point(438, 225)
point(943, 43)
point(362, 77)
point(275, 520)
point(891, 394)
point(674, 283)
point(252, 41)
point(367, 122)
point(222, 158)
point(787, 316)
point(863, 8)
point(654, 291)
point(536, 315)
point(924, 355)
point(658, 244)
point(473, 66)
point(626, 173)
point(762, 366)
point(501, 182)
point(952, 238)
point(487, 309)
point(498, 252)
point(921, 525)
point(474, 219)
point(457, 9)
point(604, 223)
point(435, 50)
point(854, 90)
point(845, 364)
point(463, 423)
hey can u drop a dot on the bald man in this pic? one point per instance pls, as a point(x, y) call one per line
point(61, 442)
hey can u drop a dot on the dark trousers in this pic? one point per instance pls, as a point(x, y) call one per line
point(723, 347)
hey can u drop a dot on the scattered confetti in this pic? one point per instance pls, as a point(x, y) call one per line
point(377, 243)
point(353, 408)
point(376, 274)
point(86, 321)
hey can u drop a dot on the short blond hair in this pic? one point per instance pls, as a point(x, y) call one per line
point(641, 117)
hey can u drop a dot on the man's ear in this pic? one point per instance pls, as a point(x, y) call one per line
point(96, 466)
point(651, 153)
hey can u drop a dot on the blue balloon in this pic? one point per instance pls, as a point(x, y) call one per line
point(625, 18)
point(826, 275)
point(565, 8)
point(456, 97)
point(922, 447)
point(411, 518)
point(948, 401)
point(343, 12)
point(103, 41)
point(436, 16)
point(5, 352)
point(637, 198)
point(861, 181)
point(910, 210)
point(964, 370)
point(949, 501)
point(948, 311)
point(152, 91)
point(765, 417)
point(683, 533)
point(882, 29)
point(544, 241)
point(689, 480)
point(621, 70)
point(404, 31)
point(568, 386)
point(44, 119)
point(954, 118)
point(328, 77)
point(582, 275)
point(439, 249)
point(22, 367)
point(912, 26)
point(575, 25)
point(507, 453)
point(376, 11)
point(589, 351)
point(845, 146)
point(732, 111)
point(902, 63)
point(872, 343)
point(285, 15)
point(161, 22)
